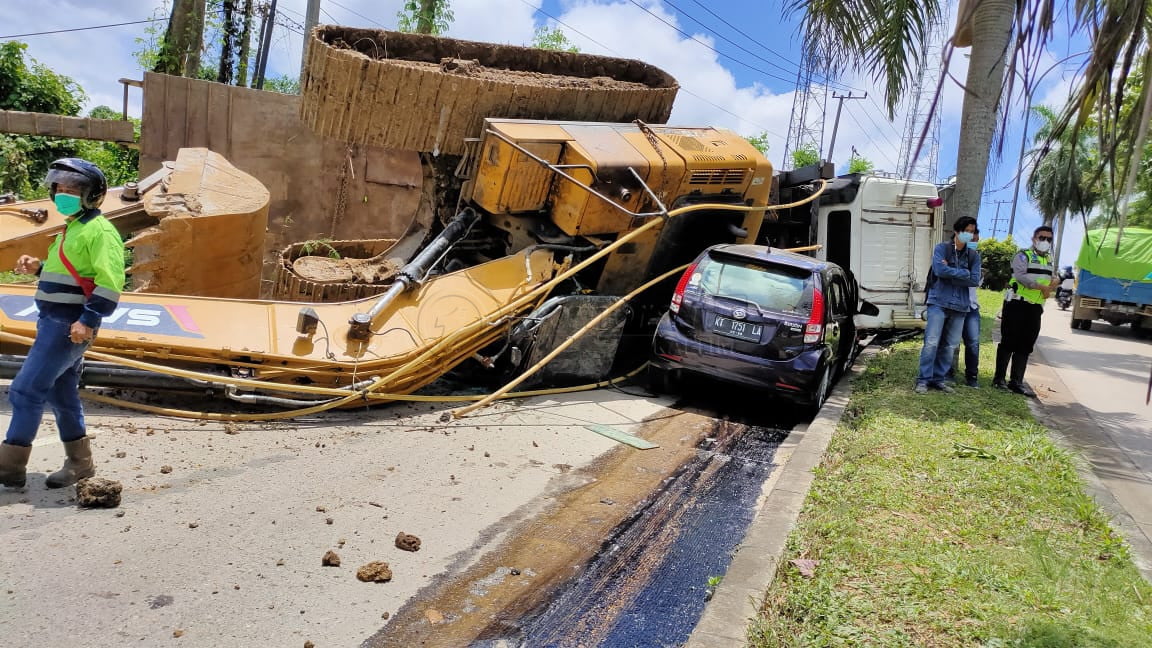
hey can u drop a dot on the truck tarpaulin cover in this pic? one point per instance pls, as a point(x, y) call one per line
point(1133, 263)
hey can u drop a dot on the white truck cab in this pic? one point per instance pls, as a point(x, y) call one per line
point(880, 228)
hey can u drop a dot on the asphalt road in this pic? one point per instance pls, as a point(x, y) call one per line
point(1098, 401)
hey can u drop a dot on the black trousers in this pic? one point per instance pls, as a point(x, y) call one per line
point(1020, 325)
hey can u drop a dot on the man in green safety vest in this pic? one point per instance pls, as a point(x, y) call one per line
point(1033, 281)
point(80, 284)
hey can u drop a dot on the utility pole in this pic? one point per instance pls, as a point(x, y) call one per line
point(245, 45)
point(836, 124)
point(311, 18)
point(996, 220)
point(265, 45)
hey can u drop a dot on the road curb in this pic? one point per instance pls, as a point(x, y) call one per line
point(1072, 426)
point(737, 600)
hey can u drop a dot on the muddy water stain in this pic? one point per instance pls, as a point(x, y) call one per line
point(632, 547)
point(648, 587)
point(551, 547)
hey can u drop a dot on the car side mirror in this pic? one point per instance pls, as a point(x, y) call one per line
point(868, 308)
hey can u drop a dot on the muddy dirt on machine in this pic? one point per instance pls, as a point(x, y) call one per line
point(356, 78)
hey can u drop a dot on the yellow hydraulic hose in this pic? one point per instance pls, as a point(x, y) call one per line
point(499, 393)
point(211, 416)
point(453, 340)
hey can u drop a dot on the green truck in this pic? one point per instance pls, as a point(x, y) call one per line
point(1114, 285)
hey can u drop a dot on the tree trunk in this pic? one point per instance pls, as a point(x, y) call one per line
point(228, 42)
point(425, 19)
point(196, 39)
point(182, 39)
point(245, 45)
point(991, 35)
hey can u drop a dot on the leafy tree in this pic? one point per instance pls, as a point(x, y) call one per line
point(425, 16)
point(759, 141)
point(30, 86)
point(887, 40)
point(996, 260)
point(1062, 180)
point(860, 165)
point(283, 84)
point(805, 156)
point(119, 164)
point(553, 39)
point(147, 52)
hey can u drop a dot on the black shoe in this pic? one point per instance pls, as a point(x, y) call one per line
point(999, 383)
point(973, 383)
point(1022, 389)
point(942, 386)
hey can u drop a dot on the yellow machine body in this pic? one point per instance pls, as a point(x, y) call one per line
point(674, 162)
point(625, 176)
point(260, 337)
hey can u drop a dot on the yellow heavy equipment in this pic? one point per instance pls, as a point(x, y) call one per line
point(556, 221)
point(553, 237)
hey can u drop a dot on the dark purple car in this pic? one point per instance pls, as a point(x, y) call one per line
point(762, 318)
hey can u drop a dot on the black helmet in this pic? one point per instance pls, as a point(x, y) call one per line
point(80, 173)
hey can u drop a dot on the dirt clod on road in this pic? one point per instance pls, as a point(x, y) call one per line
point(97, 492)
point(375, 572)
point(330, 559)
point(407, 542)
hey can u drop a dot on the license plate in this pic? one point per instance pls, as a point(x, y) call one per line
point(737, 329)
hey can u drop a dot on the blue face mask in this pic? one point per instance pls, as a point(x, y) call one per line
point(972, 245)
point(964, 237)
point(67, 204)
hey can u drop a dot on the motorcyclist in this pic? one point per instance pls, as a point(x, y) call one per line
point(1067, 283)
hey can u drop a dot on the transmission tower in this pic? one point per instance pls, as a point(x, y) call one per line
point(806, 126)
point(920, 99)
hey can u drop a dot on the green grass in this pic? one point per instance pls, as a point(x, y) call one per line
point(951, 520)
point(12, 277)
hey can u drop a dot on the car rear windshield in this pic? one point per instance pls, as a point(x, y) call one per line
point(780, 289)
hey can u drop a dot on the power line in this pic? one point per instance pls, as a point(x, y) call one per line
point(891, 127)
point(355, 13)
point(718, 52)
point(685, 90)
point(865, 130)
point(726, 39)
point(827, 79)
point(76, 29)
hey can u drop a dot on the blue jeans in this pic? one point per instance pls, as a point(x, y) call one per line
point(971, 337)
point(50, 375)
point(941, 336)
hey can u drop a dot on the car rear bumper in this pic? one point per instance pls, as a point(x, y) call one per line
point(795, 379)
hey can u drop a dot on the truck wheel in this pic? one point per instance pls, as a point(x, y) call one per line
point(1076, 324)
point(1085, 325)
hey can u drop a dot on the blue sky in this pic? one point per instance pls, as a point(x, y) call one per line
point(727, 79)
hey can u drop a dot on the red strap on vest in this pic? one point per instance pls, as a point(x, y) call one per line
point(86, 284)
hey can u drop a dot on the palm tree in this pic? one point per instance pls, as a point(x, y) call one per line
point(886, 39)
point(1062, 181)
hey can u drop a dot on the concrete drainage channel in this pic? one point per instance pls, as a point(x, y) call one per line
point(649, 583)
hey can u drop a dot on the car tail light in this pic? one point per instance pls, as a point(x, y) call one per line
point(678, 296)
point(814, 330)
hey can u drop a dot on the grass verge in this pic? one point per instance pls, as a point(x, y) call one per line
point(951, 520)
point(12, 277)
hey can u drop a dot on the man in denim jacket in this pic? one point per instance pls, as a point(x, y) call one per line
point(956, 269)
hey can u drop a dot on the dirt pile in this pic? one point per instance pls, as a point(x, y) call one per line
point(415, 92)
point(374, 572)
point(97, 492)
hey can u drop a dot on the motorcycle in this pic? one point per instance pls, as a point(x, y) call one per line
point(1064, 293)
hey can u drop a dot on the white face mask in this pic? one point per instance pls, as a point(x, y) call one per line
point(1043, 246)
